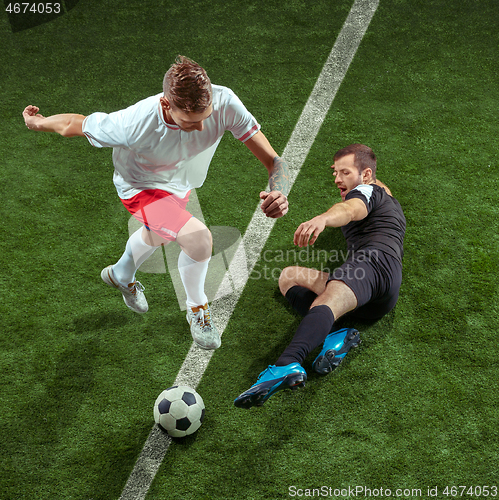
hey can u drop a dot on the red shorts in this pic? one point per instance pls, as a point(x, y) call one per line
point(159, 211)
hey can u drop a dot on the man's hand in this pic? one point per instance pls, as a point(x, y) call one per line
point(311, 228)
point(275, 204)
point(31, 117)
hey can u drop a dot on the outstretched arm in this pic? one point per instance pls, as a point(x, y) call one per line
point(338, 215)
point(67, 125)
point(275, 203)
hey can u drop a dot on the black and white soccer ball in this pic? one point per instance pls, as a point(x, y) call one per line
point(179, 410)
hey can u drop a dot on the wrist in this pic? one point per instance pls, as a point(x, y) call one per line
point(323, 218)
point(32, 123)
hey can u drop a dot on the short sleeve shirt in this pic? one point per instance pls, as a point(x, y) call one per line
point(384, 226)
point(149, 153)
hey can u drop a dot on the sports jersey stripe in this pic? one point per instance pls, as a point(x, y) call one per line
point(366, 190)
point(90, 140)
point(250, 132)
point(85, 134)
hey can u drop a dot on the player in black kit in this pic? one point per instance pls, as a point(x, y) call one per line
point(368, 282)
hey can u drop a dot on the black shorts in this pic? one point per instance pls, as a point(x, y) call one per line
point(374, 277)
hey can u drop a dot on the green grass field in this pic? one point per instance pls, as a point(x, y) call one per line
point(415, 406)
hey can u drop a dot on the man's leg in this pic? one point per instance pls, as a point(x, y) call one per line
point(138, 249)
point(193, 237)
point(122, 274)
point(336, 300)
point(301, 286)
point(164, 214)
point(196, 242)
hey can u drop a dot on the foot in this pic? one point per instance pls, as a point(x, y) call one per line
point(133, 293)
point(335, 348)
point(271, 380)
point(203, 331)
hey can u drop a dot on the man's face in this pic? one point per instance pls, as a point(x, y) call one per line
point(187, 121)
point(346, 174)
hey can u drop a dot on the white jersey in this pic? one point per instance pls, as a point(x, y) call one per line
point(149, 153)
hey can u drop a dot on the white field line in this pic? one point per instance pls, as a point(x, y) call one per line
point(259, 229)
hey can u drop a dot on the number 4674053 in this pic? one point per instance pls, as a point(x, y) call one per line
point(35, 8)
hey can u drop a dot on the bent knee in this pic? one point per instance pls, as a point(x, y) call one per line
point(201, 245)
point(205, 240)
point(196, 240)
point(287, 279)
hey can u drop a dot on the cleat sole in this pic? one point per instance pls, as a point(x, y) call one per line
point(260, 396)
point(332, 359)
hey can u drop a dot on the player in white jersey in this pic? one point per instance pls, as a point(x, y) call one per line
point(162, 148)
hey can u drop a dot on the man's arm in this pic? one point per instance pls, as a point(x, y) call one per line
point(275, 203)
point(67, 125)
point(338, 215)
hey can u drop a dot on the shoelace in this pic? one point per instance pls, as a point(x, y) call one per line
point(204, 318)
point(268, 369)
point(136, 286)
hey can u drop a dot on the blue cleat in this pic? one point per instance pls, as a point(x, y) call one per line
point(271, 380)
point(335, 348)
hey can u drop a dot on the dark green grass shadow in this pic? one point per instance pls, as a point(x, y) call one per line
point(46, 422)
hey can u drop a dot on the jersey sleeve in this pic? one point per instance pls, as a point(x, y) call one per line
point(241, 123)
point(365, 193)
point(105, 130)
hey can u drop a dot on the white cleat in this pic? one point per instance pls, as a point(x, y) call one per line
point(133, 294)
point(203, 331)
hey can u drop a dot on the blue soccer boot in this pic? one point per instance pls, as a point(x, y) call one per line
point(335, 348)
point(271, 380)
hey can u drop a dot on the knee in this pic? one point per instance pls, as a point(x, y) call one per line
point(205, 240)
point(195, 240)
point(287, 279)
point(201, 245)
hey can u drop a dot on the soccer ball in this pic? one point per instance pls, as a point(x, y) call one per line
point(179, 410)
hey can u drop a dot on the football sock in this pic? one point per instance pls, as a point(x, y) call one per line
point(300, 298)
point(193, 275)
point(136, 252)
point(312, 331)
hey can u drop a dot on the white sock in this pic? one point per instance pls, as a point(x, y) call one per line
point(136, 252)
point(193, 275)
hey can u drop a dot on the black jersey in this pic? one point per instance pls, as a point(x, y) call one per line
point(384, 226)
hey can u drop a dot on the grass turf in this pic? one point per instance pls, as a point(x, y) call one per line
point(414, 406)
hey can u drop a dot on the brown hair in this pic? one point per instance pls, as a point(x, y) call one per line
point(187, 86)
point(364, 157)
